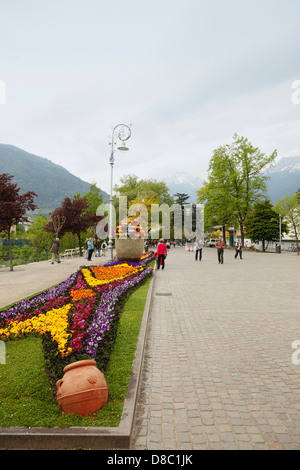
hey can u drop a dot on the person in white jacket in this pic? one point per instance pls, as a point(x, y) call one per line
point(199, 246)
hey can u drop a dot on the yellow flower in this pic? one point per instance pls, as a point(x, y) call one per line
point(54, 322)
point(107, 274)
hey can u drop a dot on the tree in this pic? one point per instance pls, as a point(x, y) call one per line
point(93, 197)
point(150, 190)
point(13, 207)
point(36, 233)
point(76, 217)
point(57, 220)
point(262, 224)
point(289, 209)
point(217, 200)
point(132, 187)
point(236, 180)
point(181, 198)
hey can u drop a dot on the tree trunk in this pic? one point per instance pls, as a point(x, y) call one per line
point(79, 242)
point(242, 233)
point(224, 233)
point(296, 236)
point(9, 250)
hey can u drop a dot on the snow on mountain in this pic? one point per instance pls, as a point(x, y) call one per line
point(284, 178)
point(182, 182)
point(287, 164)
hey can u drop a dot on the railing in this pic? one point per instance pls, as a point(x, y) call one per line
point(28, 254)
point(23, 255)
point(70, 253)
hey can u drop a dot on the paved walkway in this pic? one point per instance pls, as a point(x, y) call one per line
point(218, 370)
point(26, 280)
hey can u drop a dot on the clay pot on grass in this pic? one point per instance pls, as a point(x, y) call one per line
point(83, 389)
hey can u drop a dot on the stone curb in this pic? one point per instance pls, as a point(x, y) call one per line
point(91, 438)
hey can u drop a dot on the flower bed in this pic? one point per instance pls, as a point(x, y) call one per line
point(77, 319)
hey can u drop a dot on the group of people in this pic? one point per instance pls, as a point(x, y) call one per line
point(220, 245)
point(160, 254)
point(162, 251)
point(91, 244)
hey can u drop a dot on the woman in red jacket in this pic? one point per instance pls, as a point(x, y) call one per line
point(161, 253)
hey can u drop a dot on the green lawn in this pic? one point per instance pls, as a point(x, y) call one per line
point(25, 393)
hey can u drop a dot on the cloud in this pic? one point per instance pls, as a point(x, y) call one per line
point(186, 75)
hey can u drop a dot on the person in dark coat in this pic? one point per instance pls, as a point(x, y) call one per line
point(55, 250)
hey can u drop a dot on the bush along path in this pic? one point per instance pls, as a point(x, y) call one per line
point(77, 319)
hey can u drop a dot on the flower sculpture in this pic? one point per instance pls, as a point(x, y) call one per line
point(78, 318)
point(130, 227)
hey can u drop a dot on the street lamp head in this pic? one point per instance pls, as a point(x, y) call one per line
point(123, 147)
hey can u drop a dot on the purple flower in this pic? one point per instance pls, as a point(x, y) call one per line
point(106, 311)
point(32, 303)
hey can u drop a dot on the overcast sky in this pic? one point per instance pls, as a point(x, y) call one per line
point(187, 74)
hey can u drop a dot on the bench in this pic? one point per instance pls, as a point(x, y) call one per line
point(70, 253)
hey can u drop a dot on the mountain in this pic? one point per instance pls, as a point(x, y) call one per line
point(181, 182)
point(51, 182)
point(284, 178)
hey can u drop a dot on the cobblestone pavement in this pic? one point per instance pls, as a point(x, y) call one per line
point(218, 370)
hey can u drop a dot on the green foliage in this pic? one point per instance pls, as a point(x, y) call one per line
point(262, 224)
point(181, 198)
point(131, 187)
point(36, 233)
point(235, 182)
point(26, 397)
point(289, 209)
point(94, 198)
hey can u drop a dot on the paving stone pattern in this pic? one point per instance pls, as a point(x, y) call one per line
point(218, 370)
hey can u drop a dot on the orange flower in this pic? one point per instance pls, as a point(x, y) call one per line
point(107, 274)
point(79, 294)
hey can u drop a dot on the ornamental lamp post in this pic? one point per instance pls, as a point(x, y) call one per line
point(123, 133)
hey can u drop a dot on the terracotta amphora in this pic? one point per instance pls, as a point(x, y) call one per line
point(83, 389)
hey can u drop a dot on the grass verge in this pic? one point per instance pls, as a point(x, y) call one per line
point(25, 393)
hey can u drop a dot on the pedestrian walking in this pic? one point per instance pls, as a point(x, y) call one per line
point(189, 245)
point(103, 248)
point(97, 247)
point(199, 246)
point(90, 246)
point(220, 245)
point(55, 250)
point(161, 254)
point(238, 249)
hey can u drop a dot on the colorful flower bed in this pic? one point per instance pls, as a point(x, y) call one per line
point(130, 227)
point(77, 319)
